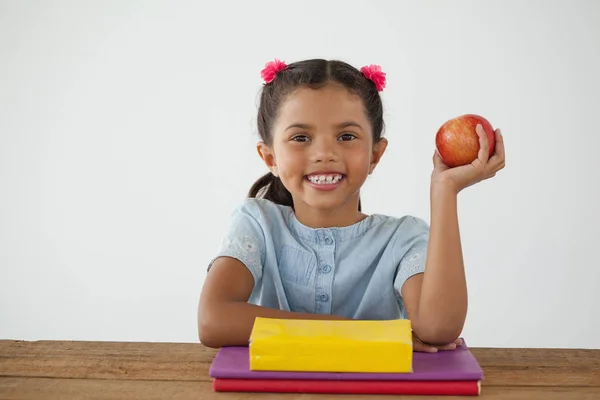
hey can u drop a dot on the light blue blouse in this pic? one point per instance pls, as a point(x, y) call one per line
point(355, 271)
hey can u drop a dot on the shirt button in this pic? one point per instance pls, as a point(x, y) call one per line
point(326, 269)
point(323, 297)
point(328, 240)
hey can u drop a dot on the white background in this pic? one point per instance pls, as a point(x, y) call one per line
point(127, 133)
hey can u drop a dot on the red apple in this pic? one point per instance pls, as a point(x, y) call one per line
point(457, 141)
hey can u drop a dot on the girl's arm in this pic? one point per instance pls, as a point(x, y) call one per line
point(436, 301)
point(225, 318)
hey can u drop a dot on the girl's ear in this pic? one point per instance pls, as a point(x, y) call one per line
point(268, 156)
point(378, 150)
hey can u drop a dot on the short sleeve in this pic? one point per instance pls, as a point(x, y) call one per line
point(244, 239)
point(410, 251)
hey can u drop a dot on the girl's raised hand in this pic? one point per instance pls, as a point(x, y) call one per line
point(482, 168)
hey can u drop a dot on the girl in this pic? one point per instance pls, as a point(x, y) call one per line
point(300, 247)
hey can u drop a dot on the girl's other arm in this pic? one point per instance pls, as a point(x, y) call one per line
point(436, 301)
point(225, 318)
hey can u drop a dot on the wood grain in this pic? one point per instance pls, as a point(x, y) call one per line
point(539, 367)
point(118, 370)
point(66, 389)
point(106, 360)
point(190, 362)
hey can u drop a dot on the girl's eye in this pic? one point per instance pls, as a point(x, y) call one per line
point(347, 137)
point(300, 138)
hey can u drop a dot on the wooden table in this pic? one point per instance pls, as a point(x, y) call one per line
point(113, 370)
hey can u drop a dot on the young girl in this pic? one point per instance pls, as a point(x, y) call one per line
point(300, 247)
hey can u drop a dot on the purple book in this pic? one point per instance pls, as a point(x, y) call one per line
point(451, 365)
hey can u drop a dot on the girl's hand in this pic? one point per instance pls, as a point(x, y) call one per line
point(418, 345)
point(482, 168)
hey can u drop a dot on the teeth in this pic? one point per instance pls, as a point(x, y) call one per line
point(325, 179)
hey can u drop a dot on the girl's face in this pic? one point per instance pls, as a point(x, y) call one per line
point(322, 148)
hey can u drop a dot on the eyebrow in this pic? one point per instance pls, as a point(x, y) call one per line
point(339, 126)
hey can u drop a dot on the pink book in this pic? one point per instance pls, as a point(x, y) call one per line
point(454, 388)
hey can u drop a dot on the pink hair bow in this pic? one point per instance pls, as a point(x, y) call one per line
point(374, 73)
point(271, 69)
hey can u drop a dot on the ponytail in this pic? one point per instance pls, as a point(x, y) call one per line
point(271, 188)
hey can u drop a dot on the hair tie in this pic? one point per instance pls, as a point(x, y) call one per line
point(271, 69)
point(374, 73)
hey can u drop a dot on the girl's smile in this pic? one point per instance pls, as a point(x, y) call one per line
point(325, 180)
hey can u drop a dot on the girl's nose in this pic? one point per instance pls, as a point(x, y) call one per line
point(324, 151)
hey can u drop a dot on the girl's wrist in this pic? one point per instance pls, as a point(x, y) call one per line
point(443, 188)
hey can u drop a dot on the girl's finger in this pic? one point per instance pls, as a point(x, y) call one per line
point(484, 145)
point(449, 346)
point(422, 347)
point(437, 161)
point(498, 159)
point(501, 149)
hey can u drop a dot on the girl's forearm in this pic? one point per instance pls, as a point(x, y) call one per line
point(443, 301)
point(230, 323)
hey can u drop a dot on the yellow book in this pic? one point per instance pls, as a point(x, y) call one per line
point(331, 346)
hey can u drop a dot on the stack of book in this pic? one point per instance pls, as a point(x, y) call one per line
point(350, 357)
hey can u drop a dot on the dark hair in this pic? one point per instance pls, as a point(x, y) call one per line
point(313, 74)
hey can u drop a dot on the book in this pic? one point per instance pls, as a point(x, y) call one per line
point(451, 372)
point(445, 365)
point(455, 388)
point(376, 346)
